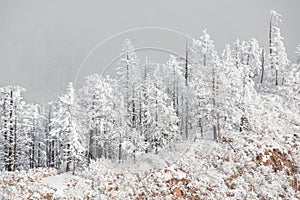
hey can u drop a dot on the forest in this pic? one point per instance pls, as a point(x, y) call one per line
point(226, 98)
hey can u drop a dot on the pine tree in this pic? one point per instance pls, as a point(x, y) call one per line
point(164, 128)
point(49, 141)
point(33, 133)
point(11, 120)
point(247, 62)
point(278, 57)
point(127, 75)
point(298, 54)
point(104, 114)
point(141, 137)
point(233, 88)
point(206, 67)
point(174, 81)
point(68, 128)
point(55, 136)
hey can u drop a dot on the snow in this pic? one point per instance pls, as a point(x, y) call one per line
point(58, 183)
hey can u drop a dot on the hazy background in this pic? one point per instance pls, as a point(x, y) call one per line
point(42, 43)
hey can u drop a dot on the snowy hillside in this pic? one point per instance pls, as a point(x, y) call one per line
point(239, 166)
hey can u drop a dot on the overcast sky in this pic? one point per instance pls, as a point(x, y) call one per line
point(42, 43)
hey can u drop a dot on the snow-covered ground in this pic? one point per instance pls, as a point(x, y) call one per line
point(57, 182)
point(240, 166)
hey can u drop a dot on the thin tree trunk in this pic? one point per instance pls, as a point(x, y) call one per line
point(215, 132)
point(33, 147)
point(15, 144)
point(270, 37)
point(5, 135)
point(120, 149)
point(214, 105)
point(236, 56)
point(11, 130)
point(276, 77)
point(186, 63)
point(186, 119)
point(74, 164)
point(186, 84)
point(262, 66)
point(133, 110)
point(68, 167)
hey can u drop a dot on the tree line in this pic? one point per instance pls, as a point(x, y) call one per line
point(147, 106)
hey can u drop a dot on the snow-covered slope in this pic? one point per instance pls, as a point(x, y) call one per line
point(239, 166)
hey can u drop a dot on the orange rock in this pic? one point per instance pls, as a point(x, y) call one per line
point(192, 190)
point(278, 161)
point(48, 196)
point(177, 192)
point(176, 180)
point(295, 184)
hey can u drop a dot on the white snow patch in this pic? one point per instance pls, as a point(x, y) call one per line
point(58, 183)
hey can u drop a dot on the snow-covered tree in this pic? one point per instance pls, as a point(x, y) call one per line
point(255, 60)
point(298, 54)
point(33, 135)
point(233, 87)
point(206, 68)
point(248, 63)
point(11, 103)
point(175, 83)
point(164, 128)
point(278, 56)
point(49, 140)
point(105, 117)
point(66, 127)
point(127, 72)
point(97, 102)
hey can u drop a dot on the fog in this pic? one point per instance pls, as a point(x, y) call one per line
point(43, 43)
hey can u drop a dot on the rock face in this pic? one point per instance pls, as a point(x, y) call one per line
point(177, 192)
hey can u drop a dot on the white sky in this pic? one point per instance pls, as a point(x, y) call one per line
point(42, 43)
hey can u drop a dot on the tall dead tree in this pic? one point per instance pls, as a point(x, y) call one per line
point(186, 84)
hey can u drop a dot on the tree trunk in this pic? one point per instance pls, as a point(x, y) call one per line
point(186, 64)
point(15, 144)
point(186, 119)
point(270, 41)
point(33, 148)
point(214, 105)
point(215, 132)
point(186, 98)
point(74, 165)
point(48, 144)
point(5, 135)
point(262, 65)
point(133, 110)
point(11, 134)
point(276, 77)
point(120, 150)
point(68, 167)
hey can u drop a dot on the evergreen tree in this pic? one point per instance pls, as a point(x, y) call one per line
point(206, 67)
point(127, 75)
point(278, 57)
point(68, 128)
point(11, 125)
point(298, 54)
point(34, 135)
point(164, 128)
